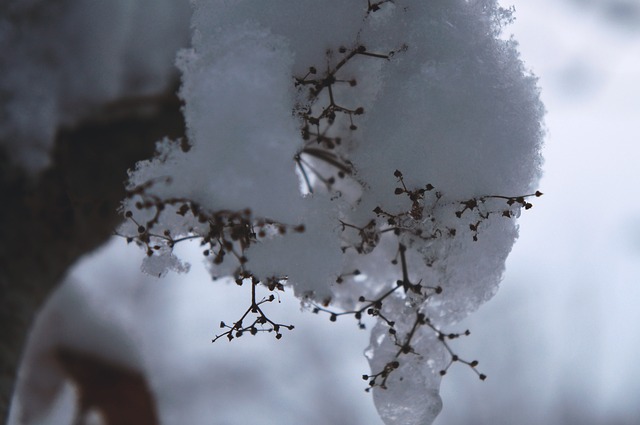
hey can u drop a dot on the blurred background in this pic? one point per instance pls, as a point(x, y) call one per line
point(561, 338)
point(560, 342)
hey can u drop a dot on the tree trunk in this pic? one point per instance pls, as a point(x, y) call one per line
point(48, 222)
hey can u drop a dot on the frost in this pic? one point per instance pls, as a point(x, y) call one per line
point(373, 156)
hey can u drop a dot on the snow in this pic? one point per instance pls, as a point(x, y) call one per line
point(419, 122)
point(240, 124)
point(557, 341)
point(557, 338)
point(308, 266)
point(373, 161)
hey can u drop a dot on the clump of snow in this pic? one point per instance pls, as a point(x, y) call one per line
point(311, 268)
point(63, 59)
point(159, 265)
point(414, 131)
point(240, 125)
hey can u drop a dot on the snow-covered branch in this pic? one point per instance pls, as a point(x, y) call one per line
point(300, 117)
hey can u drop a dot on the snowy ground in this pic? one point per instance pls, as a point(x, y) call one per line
point(560, 340)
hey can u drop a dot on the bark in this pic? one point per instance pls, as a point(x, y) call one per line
point(48, 222)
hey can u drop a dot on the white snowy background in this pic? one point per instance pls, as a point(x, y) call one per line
point(559, 342)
